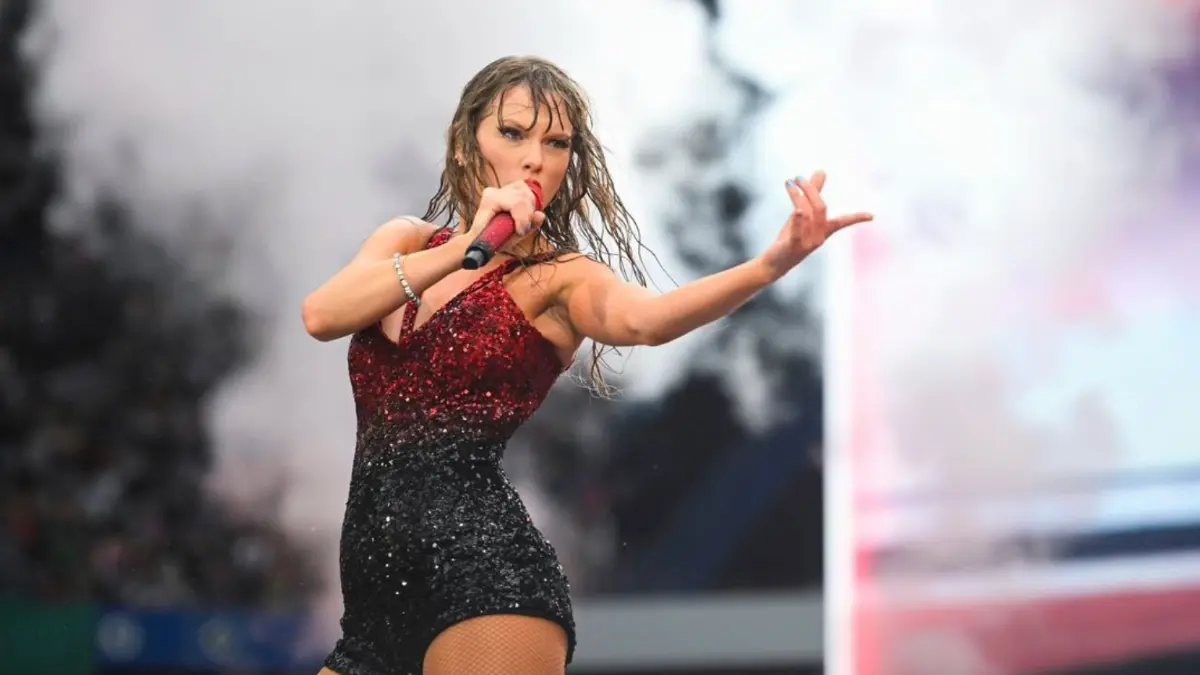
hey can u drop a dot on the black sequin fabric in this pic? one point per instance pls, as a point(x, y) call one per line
point(434, 532)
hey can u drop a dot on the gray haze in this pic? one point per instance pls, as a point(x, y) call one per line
point(312, 123)
point(972, 130)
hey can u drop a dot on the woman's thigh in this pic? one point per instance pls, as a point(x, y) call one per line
point(499, 644)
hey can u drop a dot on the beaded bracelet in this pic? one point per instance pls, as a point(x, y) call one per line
point(398, 265)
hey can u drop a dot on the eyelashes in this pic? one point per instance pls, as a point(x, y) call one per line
point(515, 134)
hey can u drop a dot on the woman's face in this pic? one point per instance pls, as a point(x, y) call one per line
point(516, 149)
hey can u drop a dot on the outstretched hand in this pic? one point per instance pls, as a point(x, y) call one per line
point(807, 227)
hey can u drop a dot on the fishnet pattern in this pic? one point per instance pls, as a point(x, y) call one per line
point(504, 644)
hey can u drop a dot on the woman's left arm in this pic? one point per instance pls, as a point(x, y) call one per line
point(602, 307)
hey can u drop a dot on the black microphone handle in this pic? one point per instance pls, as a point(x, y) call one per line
point(477, 256)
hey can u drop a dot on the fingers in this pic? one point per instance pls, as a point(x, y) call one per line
point(800, 201)
point(525, 211)
point(489, 198)
point(518, 200)
point(522, 213)
point(840, 222)
point(487, 209)
point(524, 189)
point(806, 195)
point(818, 180)
point(813, 194)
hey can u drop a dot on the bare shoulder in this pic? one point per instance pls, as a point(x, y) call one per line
point(402, 233)
point(578, 268)
point(574, 271)
point(409, 233)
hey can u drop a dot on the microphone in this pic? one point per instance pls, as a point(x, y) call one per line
point(496, 233)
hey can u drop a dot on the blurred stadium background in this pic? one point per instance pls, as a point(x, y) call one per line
point(174, 451)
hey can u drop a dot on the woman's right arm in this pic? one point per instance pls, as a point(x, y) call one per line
point(367, 289)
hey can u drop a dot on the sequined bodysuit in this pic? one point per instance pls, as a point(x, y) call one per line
point(434, 533)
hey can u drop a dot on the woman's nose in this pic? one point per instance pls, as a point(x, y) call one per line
point(533, 158)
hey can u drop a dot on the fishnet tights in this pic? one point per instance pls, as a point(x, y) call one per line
point(503, 644)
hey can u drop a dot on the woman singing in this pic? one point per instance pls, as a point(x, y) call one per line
point(443, 572)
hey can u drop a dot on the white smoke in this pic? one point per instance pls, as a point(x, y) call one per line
point(321, 120)
point(998, 148)
point(311, 124)
point(974, 131)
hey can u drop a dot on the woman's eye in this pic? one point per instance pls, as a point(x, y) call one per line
point(514, 134)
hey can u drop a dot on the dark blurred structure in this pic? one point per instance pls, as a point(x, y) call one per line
point(698, 497)
point(109, 349)
point(1171, 664)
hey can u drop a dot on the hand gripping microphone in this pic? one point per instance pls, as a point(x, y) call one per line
point(496, 233)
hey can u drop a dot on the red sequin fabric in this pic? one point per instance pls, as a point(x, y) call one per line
point(434, 533)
